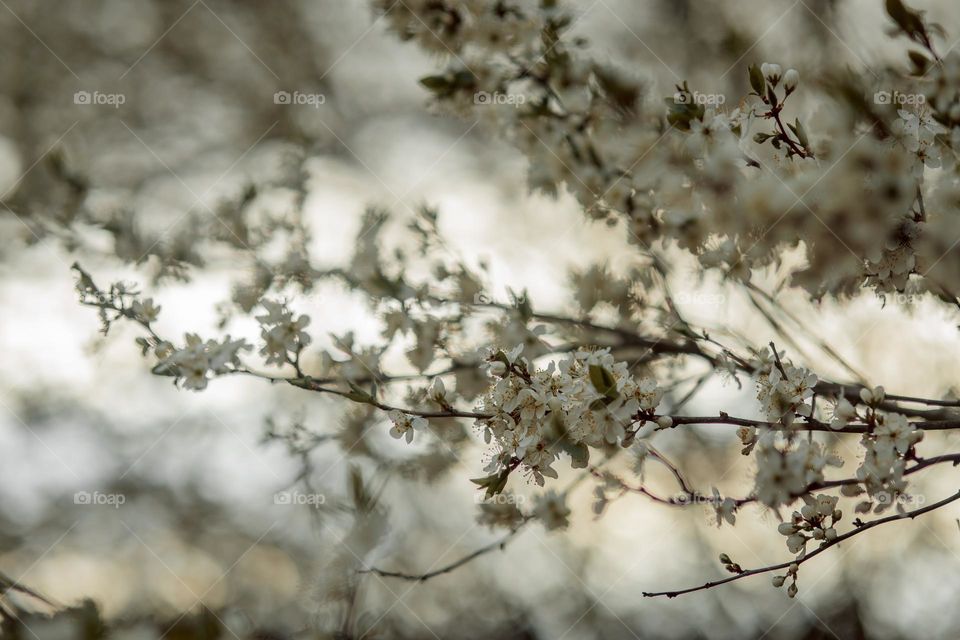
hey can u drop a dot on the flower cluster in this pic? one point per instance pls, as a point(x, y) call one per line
point(881, 472)
point(845, 412)
point(853, 193)
point(733, 186)
point(783, 392)
point(786, 470)
point(199, 360)
point(810, 523)
point(792, 572)
point(724, 508)
point(442, 27)
point(283, 336)
point(586, 400)
point(145, 310)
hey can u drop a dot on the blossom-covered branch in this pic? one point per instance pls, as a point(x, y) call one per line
point(731, 191)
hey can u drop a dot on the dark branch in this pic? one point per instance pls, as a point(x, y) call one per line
point(800, 560)
point(422, 577)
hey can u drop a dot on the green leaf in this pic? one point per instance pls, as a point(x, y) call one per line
point(920, 62)
point(494, 484)
point(800, 133)
point(362, 499)
point(437, 84)
point(165, 369)
point(603, 381)
point(621, 90)
point(359, 395)
point(579, 455)
point(757, 82)
point(681, 109)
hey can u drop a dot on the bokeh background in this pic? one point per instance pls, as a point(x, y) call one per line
point(199, 529)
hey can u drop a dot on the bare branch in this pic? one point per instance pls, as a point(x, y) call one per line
point(422, 577)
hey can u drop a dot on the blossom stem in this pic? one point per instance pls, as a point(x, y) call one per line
point(794, 147)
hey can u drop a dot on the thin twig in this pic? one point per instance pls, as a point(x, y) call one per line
point(421, 577)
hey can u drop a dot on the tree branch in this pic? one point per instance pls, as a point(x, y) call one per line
point(422, 577)
point(800, 560)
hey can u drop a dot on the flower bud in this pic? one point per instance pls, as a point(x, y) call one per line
point(796, 542)
point(873, 396)
point(665, 422)
point(498, 368)
point(790, 80)
point(437, 390)
point(778, 581)
point(771, 72)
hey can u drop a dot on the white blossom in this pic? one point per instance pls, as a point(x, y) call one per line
point(145, 310)
point(405, 425)
point(781, 398)
point(843, 414)
point(282, 334)
point(785, 470)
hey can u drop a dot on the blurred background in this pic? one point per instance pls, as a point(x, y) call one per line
point(130, 127)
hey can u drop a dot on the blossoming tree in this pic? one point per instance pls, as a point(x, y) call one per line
point(867, 197)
